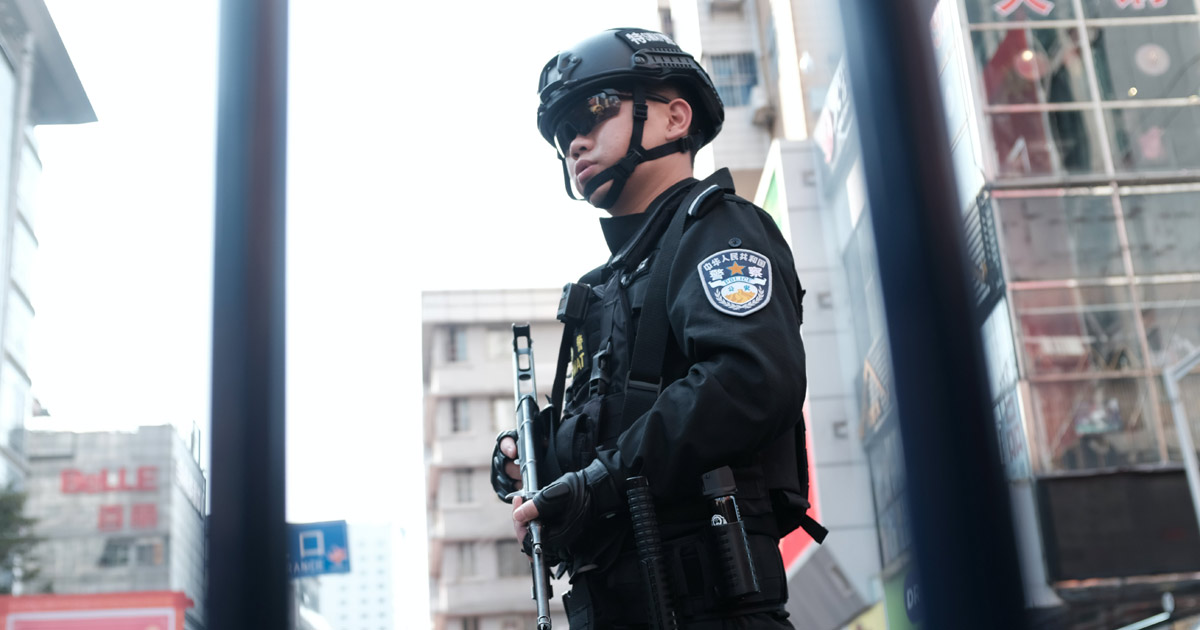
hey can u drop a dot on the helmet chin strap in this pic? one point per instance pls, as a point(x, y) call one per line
point(619, 173)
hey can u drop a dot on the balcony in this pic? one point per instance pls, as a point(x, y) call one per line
point(478, 596)
point(466, 450)
point(487, 519)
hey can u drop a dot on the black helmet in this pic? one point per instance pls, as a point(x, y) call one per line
point(626, 55)
point(634, 58)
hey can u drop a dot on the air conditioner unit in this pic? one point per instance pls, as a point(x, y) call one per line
point(724, 5)
point(762, 111)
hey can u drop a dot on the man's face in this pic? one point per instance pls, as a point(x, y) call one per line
point(594, 134)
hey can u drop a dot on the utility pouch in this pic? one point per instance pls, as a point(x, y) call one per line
point(578, 605)
point(573, 305)
point(727, 535)
point(576, 439)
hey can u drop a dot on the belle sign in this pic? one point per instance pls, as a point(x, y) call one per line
point(143, 479)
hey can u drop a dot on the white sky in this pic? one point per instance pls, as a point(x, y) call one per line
point(414, 164)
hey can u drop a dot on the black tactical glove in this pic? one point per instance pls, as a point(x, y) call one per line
point(574, 501)
point(501, 482)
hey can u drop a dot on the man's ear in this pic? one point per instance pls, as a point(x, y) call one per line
point(679, 118)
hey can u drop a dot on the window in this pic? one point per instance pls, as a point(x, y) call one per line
point(460, 417)
point(466, 560)
point(470, 623)
point(499, 344)
point(1049, 109)
point(1057, 237)
point(734, 76)
point(503, 414)
point(456, 340)
point(149, 554)
point(509, 559)
point(463, 480)
point(116, 552)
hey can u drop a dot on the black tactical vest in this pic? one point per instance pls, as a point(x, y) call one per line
point(598, 348)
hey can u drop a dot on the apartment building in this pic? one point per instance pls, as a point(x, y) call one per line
point(479, 579)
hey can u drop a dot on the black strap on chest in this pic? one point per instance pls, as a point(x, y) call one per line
point(557, 390)
point(650, 347)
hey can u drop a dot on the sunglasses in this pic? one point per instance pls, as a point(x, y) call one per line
point(581, 118)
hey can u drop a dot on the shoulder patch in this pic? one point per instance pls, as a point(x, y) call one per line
point(736, 281)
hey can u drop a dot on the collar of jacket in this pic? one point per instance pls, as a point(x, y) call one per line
point(660, 213)
point(621, 232)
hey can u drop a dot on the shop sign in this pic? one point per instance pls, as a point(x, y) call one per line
point(885, 455)
point(1140, 4)
point(144, 479)
point(874, 398)
point(1014, 448)
point(833, 125)
point(942, 29)
point(1006, 7)
point(141, 516)
point(902, 600)
point(873, 619)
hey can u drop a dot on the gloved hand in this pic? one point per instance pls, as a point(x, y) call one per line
point(571, 503)
point(506, 475)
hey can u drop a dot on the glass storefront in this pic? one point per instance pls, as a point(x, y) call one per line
point(1093, 144)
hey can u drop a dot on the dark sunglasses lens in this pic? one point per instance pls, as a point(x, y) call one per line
point(583, 118)
point(565, 133)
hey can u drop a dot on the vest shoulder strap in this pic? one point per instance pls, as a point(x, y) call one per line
point(644, 381)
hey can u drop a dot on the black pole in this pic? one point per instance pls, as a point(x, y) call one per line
point(965, 548)
point(248, 584)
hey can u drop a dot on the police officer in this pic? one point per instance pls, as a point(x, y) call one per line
point(681, 354)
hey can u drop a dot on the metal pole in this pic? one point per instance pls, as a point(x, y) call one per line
point(1171, 377)
point(962, 526)
point(248, 585)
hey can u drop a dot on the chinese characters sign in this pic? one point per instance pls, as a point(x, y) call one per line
point(1007, 7)
point(115, 517)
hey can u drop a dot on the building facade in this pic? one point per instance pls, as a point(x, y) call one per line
point(361, 599)
point(38, 86)
point(118, 512)
point(478, 577)
point(1074, 131)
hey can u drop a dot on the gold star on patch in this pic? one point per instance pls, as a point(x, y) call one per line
point(735, 269)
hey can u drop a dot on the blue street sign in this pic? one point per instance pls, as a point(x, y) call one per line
point(318, 548)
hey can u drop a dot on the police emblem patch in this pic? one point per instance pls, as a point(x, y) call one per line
point(736, 281)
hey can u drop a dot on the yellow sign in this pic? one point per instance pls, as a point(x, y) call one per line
point(873, 619)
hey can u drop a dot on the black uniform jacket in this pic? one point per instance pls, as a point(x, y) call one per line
point(734, 372)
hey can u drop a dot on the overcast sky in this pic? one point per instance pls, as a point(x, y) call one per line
point(414, 164)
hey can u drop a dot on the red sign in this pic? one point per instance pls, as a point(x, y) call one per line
point(1041, 7)
point(99, 621)
point(1140, 4)
point(109, 611)
point(793, 545)
point(141, 516)
point(143, 480)
point(112, 518)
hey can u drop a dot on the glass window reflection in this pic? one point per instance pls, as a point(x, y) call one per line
point(1046, 143)
point(1078, 330)
point(1171, 313)
point(1135, 8)
point(1098, 423)
point(1189, 394)
point(1164, 232)
point(1050, 238)
point(1155, 138)
point(1145, 61)
point(1031, 66)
